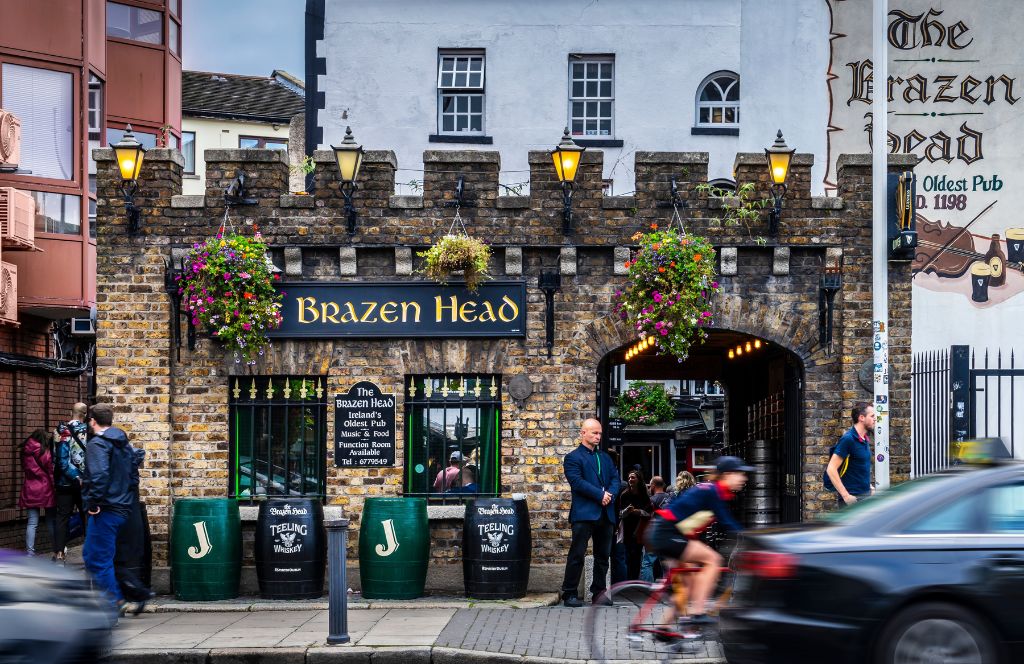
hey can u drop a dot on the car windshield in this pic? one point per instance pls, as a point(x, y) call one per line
point(882, 499)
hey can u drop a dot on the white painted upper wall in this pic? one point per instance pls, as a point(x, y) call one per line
point(382, 58)
point(215, 133)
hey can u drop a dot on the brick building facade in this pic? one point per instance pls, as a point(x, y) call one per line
point(178, 408)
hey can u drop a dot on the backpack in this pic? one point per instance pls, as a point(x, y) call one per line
point(826, 480)
point(76, 450)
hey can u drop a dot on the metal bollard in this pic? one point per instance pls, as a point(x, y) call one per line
point(337, 581)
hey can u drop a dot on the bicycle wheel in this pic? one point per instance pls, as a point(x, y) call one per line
point(630, 628)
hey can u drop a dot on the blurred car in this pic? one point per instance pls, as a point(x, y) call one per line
point(931, 570)
point(49, 614)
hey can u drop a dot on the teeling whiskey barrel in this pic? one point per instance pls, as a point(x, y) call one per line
point(496, 548)
point(291, 548)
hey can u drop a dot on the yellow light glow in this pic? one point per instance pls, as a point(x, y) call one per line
point(748, 347)
point(732, 354)
point(779, 174)
point(757, 343)
point(127, 165)
point(739, 350)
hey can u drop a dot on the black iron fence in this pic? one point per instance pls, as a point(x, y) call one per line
point(961, 394)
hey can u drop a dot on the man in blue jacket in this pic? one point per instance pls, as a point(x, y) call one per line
point(110, 472)
point(594, 482)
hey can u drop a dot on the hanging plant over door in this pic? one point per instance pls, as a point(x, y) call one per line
point(227, 289)
point(668, 295)
point(458, 252)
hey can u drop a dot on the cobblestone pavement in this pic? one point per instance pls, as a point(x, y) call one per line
point(559, 633)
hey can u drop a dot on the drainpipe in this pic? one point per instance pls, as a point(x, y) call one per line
point(879, 251)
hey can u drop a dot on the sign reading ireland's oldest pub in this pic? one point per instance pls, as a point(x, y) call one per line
point(402, 309)
point(364, 427)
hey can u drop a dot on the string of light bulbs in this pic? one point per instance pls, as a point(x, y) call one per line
point(639, 347)
point(748, 347)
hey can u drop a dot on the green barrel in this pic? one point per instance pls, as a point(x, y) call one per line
point(394, 546)
point(206, 549)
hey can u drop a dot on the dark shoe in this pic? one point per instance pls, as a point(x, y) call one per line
point(601, 599)
point(572, 601)
point(702, 619)
point(141, 605)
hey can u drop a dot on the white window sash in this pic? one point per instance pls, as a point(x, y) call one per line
point(585, 99)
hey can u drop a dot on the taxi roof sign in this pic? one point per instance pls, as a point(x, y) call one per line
point(978, 452)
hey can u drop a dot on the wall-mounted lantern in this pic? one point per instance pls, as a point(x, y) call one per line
point(567, 156)
point(349, 156)
point(779, 156)
point(831, 282)
point(129, 154)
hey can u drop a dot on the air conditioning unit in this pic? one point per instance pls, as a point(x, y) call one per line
point(83, 327)
point(10, 140)
point(17, 219)
point(8, 293)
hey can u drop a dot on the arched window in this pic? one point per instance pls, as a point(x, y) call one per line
point(718, 100)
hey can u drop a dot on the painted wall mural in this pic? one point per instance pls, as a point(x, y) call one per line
point(954, 90)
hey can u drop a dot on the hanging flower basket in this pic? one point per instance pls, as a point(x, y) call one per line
point(227, 288)
point(668, 297)
point(645, 403)
point(457, 253)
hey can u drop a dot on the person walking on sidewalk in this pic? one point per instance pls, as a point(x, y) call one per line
point(107, 493)
point(594, 483)
point(131, 546)
point(69, 467)
point(37, 485)
point(849, 465)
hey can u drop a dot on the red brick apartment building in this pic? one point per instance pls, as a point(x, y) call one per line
point(73, 74)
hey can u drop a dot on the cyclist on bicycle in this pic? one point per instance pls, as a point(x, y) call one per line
point(675, 530)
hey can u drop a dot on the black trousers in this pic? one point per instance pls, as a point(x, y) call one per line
point(69, 498)
point(130, 565)
point(602, 533)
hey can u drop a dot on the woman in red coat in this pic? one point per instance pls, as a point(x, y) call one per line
point(37, 493)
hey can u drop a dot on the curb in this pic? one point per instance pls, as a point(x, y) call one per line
point(343, 655)
point(172, 606)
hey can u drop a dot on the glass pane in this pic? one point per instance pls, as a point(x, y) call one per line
point(737, 114)
point(591, 88)
point(577, 88)
point(606, 70)
point(577, 70)
point(446, 79)
point(476, 64)
point(476, 123)
point(730, 115)
point(461, 104)
point(42, 100)
point(606, 88)
point(188, 150)
point(145, 138)
point(461, 64)
point(591, 109)
point(592, 70)
point(447, 103)
point(606, 109)
point(173, 35)
point(1006, 509)
point(606, 127)
point(577, 109)
point(955, 517)
point(577, 127)
point(448, 123)
point(716, 115)
point(733, 93)
point(72, 207)
point(591, 127)
point(461, 122)
point(705, 115)
point(447, 64)
point(460, 79)
point(476, 104)
point(248, 142)
point(474, 80)
point(276, 145)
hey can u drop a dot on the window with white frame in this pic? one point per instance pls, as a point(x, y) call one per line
point(718, 100)
point(591, 95)
point(460, 92)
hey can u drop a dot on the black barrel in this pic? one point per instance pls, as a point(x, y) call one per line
point(496, 548)
point(291, 548)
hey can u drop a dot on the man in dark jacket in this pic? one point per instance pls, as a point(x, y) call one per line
point(594, 481)
point(131, 559)
point(110, 472)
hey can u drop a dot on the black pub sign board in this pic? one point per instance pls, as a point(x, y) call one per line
point(402, 309)
point(364, 427)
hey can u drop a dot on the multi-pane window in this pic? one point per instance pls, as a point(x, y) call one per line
point(718, 101)
point(261, 142)
point(460, 93)
point(135, 23)
point(591, 96)
point(453, 436)
point(188, 151)
point(278, 436)
point(42, 100)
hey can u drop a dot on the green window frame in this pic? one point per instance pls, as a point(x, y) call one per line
point(266, 412)
point(446, 414)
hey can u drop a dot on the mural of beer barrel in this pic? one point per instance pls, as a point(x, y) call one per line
point(394, 547)
point(496, 548)
point(291, 548)
point(206, 549)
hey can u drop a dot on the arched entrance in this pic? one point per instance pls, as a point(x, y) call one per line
point(750, 404)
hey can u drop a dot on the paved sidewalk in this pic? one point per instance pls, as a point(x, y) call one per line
point(379, 635)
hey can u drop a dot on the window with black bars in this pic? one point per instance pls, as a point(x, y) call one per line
point(452, 436)
point(278, 434)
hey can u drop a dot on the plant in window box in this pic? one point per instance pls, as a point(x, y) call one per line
point(227, 288)
point(668, 295)
point(645, 403)
point(457, 253)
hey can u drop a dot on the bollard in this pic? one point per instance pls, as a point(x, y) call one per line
point(337, 581)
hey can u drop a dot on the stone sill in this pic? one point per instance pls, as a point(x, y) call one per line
point(827, 203)
point(512, 202)
point(618, 202)
point(398, 202)
point(715, 203)
point(296, 201)
point(182, 201)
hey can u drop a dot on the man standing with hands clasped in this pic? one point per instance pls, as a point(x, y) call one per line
point(849, 466)
point(594, 482)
